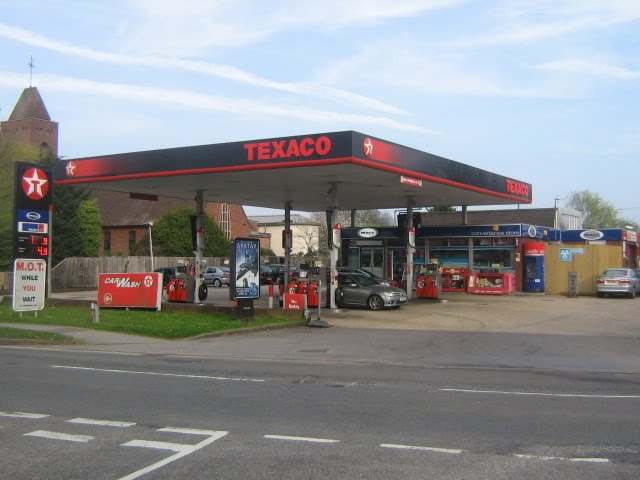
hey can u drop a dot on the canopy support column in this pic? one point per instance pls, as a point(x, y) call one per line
point(410, 248)
point(287, 242)
point(199, 241)
point(332, 216)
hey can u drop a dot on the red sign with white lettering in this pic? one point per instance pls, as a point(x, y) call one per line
point(295, 301)
point(135, 290)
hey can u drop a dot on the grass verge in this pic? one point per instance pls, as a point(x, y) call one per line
point(31, 335)
point(167, 325)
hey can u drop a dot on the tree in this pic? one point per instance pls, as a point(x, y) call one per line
point(172, 236)
point(364, 218)
point(68, 238)
point(88, 221)
point(596, 212)
point(441, 208)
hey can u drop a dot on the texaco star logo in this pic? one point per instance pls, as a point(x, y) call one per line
point(148, 281)
point(108, 298)
point(367, 147)
point(71, 169)
point(35, 184)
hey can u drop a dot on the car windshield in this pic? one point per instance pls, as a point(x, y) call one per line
point(615, 273)
point(364, 281)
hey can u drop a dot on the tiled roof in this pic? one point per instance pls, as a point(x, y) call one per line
point(30, 105)
point(296, 219)
point(544, 217)
point(119, 210)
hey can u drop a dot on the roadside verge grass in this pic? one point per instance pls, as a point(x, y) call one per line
point(19, 334)
point(150, 323)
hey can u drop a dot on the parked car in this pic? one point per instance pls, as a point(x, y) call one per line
point(623, 281)
point(216, 276)
point(355, 290)
point(277, 273)
point(168, 273)
point(265, 274)
point(366, 273)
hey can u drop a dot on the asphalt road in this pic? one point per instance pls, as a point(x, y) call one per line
point(363, 399)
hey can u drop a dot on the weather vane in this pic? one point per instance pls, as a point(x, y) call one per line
point(31, 67)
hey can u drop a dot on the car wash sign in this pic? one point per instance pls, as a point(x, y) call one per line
point(29, 283)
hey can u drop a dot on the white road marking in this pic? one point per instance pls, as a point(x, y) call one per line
point(453, 451)
point(539, 394)
point(184, 449)
point(135, 372)
point(59, 436)
point(564, 459)
point(176, 447)
point(301, 439)
point(189, 431)
point(23, 415)
point(101, 423)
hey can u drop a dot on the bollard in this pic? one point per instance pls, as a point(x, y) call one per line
point(95, 313)
point(271, 296)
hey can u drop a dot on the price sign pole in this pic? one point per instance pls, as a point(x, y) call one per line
point(32, 216)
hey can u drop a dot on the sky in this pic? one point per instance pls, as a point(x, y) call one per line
point(547, 92)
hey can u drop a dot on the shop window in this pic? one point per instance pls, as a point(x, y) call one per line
point(493, 259)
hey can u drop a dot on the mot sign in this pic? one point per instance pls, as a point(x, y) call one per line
point(29, 277)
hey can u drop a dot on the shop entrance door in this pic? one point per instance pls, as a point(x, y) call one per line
point(372, 259)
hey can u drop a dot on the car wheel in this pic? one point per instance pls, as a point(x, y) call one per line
point(375, 302)
point(217, 283)
point(203, 292)
point(599, 294)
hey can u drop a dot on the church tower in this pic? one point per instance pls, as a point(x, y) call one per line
point(30, 123)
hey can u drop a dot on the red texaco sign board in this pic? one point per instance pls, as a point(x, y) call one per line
point(135, 290)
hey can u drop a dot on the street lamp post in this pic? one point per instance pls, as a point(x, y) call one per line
point(150, 224)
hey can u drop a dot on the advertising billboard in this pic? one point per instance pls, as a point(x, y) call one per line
point(245, 269)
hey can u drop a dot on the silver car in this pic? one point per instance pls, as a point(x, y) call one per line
point(360, 291)
point(623, 281)
point(216, 276)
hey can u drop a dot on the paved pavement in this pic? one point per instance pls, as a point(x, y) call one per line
point(363, 335)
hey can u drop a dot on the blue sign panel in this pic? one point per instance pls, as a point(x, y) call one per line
point(38, 216)
point(566, 255)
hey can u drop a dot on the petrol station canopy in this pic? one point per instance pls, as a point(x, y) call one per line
point(306, 172)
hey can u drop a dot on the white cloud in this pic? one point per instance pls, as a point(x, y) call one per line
point(226, 72)
point(579, 66)
point(194, 100)
point(415, 70)
point(533, 20)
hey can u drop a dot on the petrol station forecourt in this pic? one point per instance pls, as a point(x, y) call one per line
point(333, 171)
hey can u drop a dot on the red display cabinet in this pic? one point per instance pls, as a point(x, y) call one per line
point(492, 283)
point(454, 279)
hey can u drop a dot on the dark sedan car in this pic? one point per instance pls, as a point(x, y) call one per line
point(360, 291)
point(168, 273)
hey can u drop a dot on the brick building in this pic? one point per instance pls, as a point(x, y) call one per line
point(30, 123)
point(125, 220)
